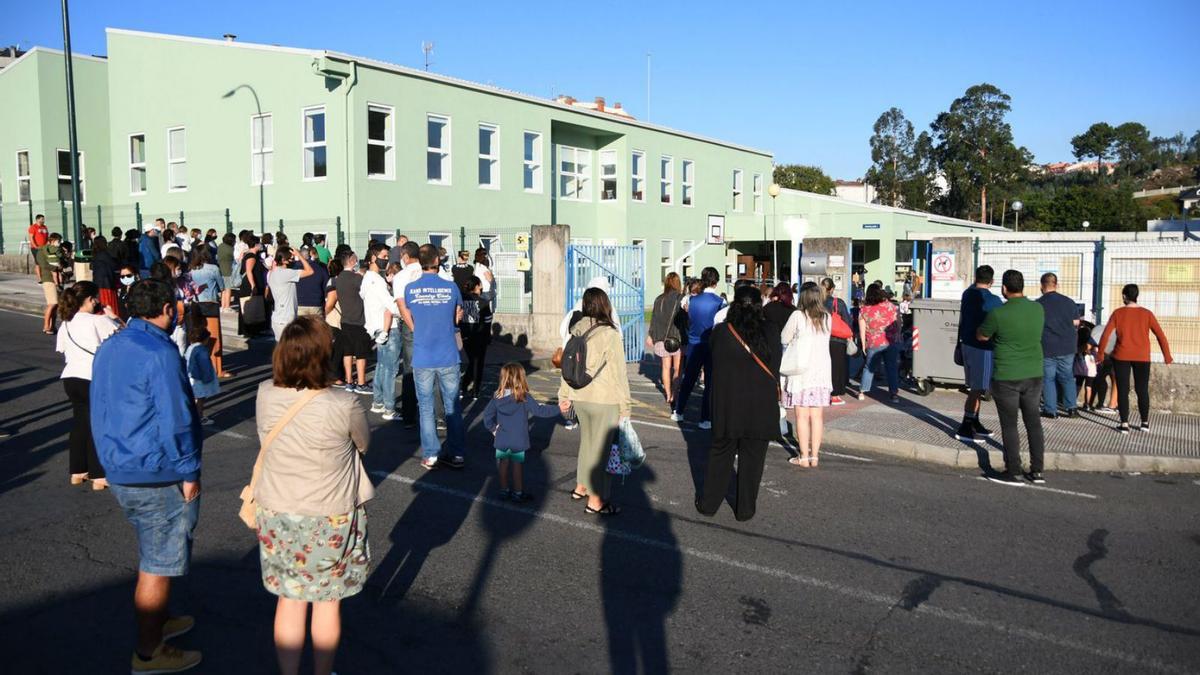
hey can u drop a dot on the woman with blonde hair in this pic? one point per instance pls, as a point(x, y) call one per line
point(663, 334)
point(808, 382)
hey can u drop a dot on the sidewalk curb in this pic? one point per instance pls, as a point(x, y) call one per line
point(30, 308)
point(967, 458)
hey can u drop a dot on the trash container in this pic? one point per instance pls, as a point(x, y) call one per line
point(935, 332)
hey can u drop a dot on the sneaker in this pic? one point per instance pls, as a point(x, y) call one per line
point(206, 421)
point(1105, 410)
point(1035, 477)
point(390, 415)
point(981, 430)
point(676, 417)
point(1073, 412)
point(521, 497)
point(1145, 427)
point(349, 386)
point(177, 625)
point(429, 464)
point(363, 390)
point(455, 462)
point(704, 424)
point(571, 425)
point(1005, 479)
point(1123, 428)
point(378, 408)
point(505, 495)
point(1049, 416)
point(895, 398)
point(165, 659)
point(966, 433)
point(836, 400)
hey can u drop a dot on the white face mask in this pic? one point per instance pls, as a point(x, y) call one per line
point(128, 281)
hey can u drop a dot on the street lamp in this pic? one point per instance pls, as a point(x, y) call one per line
point(262, 214)
point(72, 136)
point(1086, 224)
point(773, 190)
point(1016, 207)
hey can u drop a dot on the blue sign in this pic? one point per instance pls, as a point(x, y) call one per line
point(870, 226)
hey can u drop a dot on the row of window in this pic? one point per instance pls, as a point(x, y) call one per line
point(63, 166)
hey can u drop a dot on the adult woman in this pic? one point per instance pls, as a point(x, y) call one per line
point(486, 279)
point(225, 264)
point(254, 284)
point(333, 319)
point(781, 305)
point(312, 527)
point(745, 403)
point(476, 330)
point(125, 278)
point(880, 331)
point(839, 365)
point(601, 404)
point(82, 330)
point(808, 392)
point(665, 318)
point(1133, 325)
point(209, 286)
point(104, 272)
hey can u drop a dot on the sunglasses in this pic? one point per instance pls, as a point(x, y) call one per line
point(126, 276)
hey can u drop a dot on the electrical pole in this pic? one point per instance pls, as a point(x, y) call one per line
point(76, 219)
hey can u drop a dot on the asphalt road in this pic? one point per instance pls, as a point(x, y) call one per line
point(865, 564)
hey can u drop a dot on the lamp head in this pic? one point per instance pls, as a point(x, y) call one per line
point(1086, 224)
point(773, 190)
point(1017, 206)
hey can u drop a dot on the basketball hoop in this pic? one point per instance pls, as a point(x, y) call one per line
point(715, 234)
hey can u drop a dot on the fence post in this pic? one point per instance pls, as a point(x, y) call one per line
point(975, 255)
point(281, 224)
point(99, 220)
point(462, 237)
point(340, 237)
point(137, 215)
point(1098, 283)
point(228, 223)
point(181, 223)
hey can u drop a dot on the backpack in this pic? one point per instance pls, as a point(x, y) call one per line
point(574, 361)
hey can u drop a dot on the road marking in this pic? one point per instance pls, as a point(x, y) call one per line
point(687, 427)
point(1043, 488)
point(232, 434)
point(862, 594)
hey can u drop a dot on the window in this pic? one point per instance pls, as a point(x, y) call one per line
point(756, 195)
point(380, 142)
point(177, 159)
point(533, 162)
point(491, 243)
point(315, 159)
point(262, 150)
point(737, 189)
point(638, 270)
point(64, 176)
point(437, 149)
point(666, 256)
point(23, 180)
point(667, 176)
point(440, 239)
point(137, 164)
point(608, 175)
point(689, 182)
point(637, 175)
point(489, 156)
point(690, 261)
point(574, 173)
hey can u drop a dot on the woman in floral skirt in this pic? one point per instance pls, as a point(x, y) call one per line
point(808, 392)
point(312, 528)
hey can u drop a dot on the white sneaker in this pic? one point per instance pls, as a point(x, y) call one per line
point(705, 424)
point(676, 417)
point(571, 425)
point(390, 415)
point(378, 408)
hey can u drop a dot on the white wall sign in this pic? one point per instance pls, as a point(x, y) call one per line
point(943, 268)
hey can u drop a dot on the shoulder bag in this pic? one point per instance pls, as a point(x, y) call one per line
point(838, 327)
point(793, 362)
point(247, 511)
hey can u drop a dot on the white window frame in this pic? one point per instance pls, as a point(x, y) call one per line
point(666, 179)
point(27, 179)
point(134, 166)
point(267, 151)
point(82, 175)
point(445, 237)
point(639, 241)
point(307, 145)
point(388, 143)
point(738, 186)
point(172, 162)
point(637, 178)
point(756, 192)
point(688, 264)
point(687, 179)
point(445, 150)
point(666, 263)
point(494, 157)
point(534, 164)
point(615, 177)
point(488, 241)
point(582, 179)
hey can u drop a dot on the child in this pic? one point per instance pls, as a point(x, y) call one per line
point(199, 365)
point(1085, 366)
point(507, 417)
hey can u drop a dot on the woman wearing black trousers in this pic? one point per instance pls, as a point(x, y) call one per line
point(745, 403)
point(476, 331)
point(838, 361)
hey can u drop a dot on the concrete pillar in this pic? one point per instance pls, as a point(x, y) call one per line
point(964, 273)
point(549, 249)
point(837, 252)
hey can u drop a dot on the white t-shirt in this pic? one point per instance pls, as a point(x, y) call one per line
point(78, 340)
point(282, 282)
point(410, 273)
point(482, 271)
point(377, 302)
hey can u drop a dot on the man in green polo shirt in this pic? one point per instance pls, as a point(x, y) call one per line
point(1015, 328)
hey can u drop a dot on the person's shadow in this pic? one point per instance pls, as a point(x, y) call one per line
point(639, 583)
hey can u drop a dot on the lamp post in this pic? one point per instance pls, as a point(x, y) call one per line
point(262, 217)
point(72, 139)
point(773, 190)
point(1016, 207)
point(1086, 225)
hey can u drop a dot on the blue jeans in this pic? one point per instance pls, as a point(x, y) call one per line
point(1058, 383)
point(447, 379)
point(163, 522)
point(890, 357)
point(387, 365)
point(698, 359)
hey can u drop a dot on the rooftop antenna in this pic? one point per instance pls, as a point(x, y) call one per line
point(427, 47)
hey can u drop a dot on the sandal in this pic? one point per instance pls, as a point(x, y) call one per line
point(575, 496)
point(607, 510)
point(799, 461)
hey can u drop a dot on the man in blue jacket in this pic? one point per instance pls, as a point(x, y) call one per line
point(702, 311)
point(148, 438)
point(148, 247)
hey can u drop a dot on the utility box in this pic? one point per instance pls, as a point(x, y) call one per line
point(935, 328)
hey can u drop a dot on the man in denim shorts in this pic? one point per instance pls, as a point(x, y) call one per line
point(145, 417)
point(977, 301)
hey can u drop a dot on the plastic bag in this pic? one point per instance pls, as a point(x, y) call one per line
point(626, 454)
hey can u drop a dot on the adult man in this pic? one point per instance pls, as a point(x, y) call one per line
point(322, 252)
point(977, 302)
point(395, 253)
point(1016, 330)
point(310, 290)
point(282, 281)
point(410, 254)
point(355, 343)
point(380, 312)
point(702, 310)
point(432, 307)
point(148, 439)
point(148, 247)
point(117, 248)
point(48, 261)
point(1060, 340)
point(37, 233)
point(462, 271)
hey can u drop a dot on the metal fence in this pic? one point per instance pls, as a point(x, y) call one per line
point(622, 266)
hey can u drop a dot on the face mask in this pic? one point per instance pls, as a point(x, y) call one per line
point(127, 280)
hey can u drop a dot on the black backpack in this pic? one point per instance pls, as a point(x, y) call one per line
point(574, 361)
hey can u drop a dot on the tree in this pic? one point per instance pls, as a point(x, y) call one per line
point(1096, 142)
point(920, 189)
point(1133, 148)
point(975, 149)
point(803, 177)
point(892, 154)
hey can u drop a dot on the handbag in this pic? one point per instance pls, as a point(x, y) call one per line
point(247, 511)
point(838, 326)
point(254, 310)
point(851, 348)
point(793, 362)
point(958, 354)
point(671, 343)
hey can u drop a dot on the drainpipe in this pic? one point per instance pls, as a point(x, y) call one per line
point(350, 81)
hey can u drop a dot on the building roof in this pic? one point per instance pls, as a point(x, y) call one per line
point(443, 79)
point(930, 217)
point(46, 50)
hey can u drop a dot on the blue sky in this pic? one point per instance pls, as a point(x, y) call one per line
point(803, 80)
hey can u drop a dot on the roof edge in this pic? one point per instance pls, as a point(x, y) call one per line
point(49, 50)
point(931, 217)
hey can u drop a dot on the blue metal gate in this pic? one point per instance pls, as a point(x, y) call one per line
point(621, 266)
